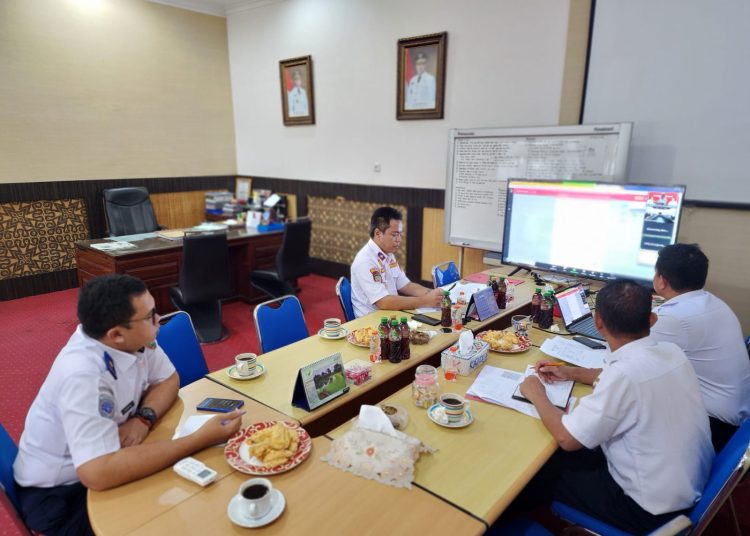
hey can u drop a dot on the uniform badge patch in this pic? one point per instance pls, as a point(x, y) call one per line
point(110, 364)
point(106, 406)
point(394, 264)
point(376, 275)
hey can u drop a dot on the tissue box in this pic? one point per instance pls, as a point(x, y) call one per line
point(465, 364)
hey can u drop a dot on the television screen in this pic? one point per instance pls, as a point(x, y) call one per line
point(600, 230)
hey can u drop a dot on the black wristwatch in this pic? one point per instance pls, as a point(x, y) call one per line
point(147, 415)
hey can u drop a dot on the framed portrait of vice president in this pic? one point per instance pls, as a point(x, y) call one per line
point(421, 76)
point(297, 99)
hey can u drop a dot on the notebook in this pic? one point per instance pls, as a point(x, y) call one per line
point(557, 392)
point(576, 313)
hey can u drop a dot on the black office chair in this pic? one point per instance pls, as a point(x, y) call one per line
point(129, 211)
point(204, 281)
point(292, 261)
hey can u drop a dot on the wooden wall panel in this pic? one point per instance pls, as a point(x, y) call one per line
point(175, 210)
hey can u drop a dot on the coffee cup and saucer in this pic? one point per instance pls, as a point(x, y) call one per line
point(256, 504)
point(451, 411)
point(332, 329)
point(246, 367)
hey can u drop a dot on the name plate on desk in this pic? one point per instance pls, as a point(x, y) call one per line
point(319, 382)
point(482, 305)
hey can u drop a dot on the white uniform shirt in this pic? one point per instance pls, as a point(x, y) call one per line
point(375, 275)
point(75, 415)
point(711, 336)
point(297, 102)
point(420, 92)
point(647, 414)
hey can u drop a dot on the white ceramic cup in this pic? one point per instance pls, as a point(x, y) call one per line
point(454, 406)
point(255, 497)
point(245, 364)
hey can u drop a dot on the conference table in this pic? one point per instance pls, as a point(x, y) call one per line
point(156, 260)
point(275, 387)
point(317, 495)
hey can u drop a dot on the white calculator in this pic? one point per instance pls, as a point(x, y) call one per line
point(196, 471)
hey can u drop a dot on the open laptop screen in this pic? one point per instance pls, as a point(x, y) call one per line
point(573, 304)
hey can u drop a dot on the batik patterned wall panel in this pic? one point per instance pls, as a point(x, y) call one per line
point(38, 237)
point(341, 227)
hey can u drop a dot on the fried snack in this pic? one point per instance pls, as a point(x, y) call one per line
point(419, 337)
point(274, 445)
point(362, 335)
point(501, 340)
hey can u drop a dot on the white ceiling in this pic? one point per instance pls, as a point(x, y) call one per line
point(219, 8)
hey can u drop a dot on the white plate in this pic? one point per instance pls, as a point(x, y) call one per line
point(239, 517)
point(466, 421)
point(343, 333)
point(259, 371)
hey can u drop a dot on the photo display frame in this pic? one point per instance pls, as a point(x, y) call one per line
point(297, 95)
point(421, 76)
point(320, 382)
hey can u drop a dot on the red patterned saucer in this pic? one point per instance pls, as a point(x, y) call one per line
point(238, 455)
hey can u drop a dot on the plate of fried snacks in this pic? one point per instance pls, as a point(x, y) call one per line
point(505, 341)
point(268, 448)
point(360, 337)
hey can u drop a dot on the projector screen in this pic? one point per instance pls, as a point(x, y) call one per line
point(590, 229)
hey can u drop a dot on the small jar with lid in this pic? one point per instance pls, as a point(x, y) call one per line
point(424, 390)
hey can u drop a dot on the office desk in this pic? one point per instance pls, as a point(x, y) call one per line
point(318, 496)
point(480, 468)
point(123, 509)
point(157, 262)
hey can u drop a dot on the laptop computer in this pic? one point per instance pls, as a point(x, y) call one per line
point(576, 313)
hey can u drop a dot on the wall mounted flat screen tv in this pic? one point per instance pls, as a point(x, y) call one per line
point(600, 230)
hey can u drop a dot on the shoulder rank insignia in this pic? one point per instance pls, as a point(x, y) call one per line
point(110, 364)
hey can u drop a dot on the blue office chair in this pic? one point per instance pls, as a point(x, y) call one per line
point(279, 322)
point(519, 526)
point(344, 292)
point(8, 452)
point(445, 273)
point(178, 339)
point(728, 468)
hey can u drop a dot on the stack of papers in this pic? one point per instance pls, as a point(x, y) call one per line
point(574, 352)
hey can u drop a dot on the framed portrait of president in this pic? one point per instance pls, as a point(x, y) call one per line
point(421, 76)
point(297, 99)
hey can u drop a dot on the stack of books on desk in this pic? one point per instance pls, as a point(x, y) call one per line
point(215, 201)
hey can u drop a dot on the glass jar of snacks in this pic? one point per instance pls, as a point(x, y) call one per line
point(424, 390)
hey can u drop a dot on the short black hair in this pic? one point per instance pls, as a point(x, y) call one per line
point(624, 307)
point(684, 266)
point(106, 302)
point(381, 219)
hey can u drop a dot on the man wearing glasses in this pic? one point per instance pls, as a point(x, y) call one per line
point(103, 394)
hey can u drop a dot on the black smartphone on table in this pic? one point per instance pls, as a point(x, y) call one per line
point(220, 405)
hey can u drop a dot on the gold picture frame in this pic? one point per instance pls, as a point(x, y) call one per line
point(243, 188)
point(297, 95)
point(421, 76)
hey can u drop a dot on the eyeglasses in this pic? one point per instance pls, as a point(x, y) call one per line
point(150, 317)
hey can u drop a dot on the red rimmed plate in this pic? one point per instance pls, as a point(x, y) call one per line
point(523, 345)
point(352, 339)
point(238, 455)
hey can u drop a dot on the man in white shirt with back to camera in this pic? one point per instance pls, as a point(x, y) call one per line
point(637, 450)
point(708, 332)
point(377, 279)
point(87, 425)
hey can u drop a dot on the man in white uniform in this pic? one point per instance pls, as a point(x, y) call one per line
point(377, 279)
point(103, 394)
point(420, 91)
point(708, 332)
point(645, 424)
point(297, 97)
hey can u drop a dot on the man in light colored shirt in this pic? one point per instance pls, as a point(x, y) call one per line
point(708, 332)
point(420, 90)
point(297, 97)
point(377, 280)
point(104, 392)
point(637, 451)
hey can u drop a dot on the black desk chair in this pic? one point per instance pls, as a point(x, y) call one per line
point(292, 261)
point(129, 211)
point(204, 281)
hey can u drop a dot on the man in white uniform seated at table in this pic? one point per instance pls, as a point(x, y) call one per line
point(708, 332)
point(377, 280)
point(103, 394)
point(637, 451)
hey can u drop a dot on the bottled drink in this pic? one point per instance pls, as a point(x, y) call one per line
point(405, 336)
point(536, 301)
point(501, 295)
point(545, 314)
point(383, 331)
point(450, 371)
point(375, 347)
point(461, 301)
point(445, 310)
point(493, 284)
point(458, 322)
point(394, 337)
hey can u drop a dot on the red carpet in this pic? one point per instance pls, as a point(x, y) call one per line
point(37, 327)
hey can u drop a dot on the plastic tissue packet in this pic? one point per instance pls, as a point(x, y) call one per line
point(373, 449)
